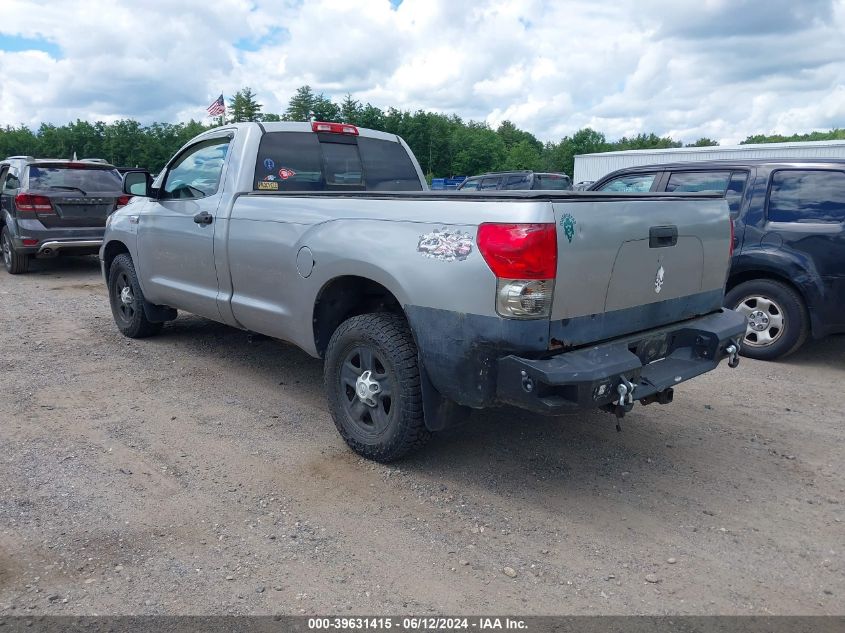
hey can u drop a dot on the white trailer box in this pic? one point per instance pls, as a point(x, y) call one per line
point(594, 166)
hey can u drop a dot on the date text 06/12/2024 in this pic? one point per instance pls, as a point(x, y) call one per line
point(416, 623)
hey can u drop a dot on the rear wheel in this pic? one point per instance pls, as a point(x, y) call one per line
point(373, 386)
point(127, 300)
point(777, 322)
point(14, 262)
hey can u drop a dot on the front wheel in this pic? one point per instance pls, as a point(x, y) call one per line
point(127, 300)
point(777, 322)
point(373, 385)
point(14, 262)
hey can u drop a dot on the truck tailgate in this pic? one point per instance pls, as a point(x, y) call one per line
point(628, 265)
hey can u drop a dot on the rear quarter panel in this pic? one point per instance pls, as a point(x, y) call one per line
point(422, 251)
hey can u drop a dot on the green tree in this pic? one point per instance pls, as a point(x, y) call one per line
point(301, 105)
point(703, 142)
point(512, 135)
point(476, 149)
point(243, 106)
point(835, 134)
point(523, 155)
point(324, 109)
point(561, 157)
point(350, 110)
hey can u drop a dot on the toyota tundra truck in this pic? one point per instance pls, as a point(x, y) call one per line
point(424, 305)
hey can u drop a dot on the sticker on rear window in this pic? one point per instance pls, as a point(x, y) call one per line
point(269, 164)
point(285, 173)
point(268, 185)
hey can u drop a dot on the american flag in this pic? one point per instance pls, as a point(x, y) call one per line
point(218, 107)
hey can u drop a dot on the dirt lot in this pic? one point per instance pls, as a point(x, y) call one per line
point(199, 472)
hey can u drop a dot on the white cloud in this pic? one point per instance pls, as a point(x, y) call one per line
point(686, 68)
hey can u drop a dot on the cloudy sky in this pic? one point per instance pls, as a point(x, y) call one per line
point(688, 68)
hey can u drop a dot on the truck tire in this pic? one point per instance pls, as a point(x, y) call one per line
point(778, 323)
point(373, 385)
point(15, 263)
point(127, 300)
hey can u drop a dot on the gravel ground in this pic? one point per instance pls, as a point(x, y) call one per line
point(199, 472)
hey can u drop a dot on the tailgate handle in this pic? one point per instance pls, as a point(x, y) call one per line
point(660, 236)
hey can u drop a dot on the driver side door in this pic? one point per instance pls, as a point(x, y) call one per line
point(176, 230)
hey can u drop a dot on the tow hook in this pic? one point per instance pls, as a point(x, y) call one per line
point(625, 403)
point(732, 351)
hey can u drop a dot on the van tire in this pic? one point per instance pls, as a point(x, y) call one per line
point(770, 301)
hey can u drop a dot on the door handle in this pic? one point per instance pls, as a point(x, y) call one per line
point(203, 217)
point(662, 236)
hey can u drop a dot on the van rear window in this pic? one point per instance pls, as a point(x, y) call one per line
point(304, 161)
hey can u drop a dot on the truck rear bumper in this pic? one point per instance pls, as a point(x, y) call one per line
point(652, 361)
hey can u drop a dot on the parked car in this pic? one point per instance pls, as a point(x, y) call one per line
point(52, 207)
point(423, 305)
point(518, 180)
point(788, 268)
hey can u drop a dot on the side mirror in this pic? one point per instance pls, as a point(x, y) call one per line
point(138, 183)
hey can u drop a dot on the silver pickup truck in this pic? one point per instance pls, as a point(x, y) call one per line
point(424, 305)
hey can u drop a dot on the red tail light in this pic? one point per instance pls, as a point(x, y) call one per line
point(519, 251)
point(122, 201)
point(334, 128)
point(40, 205)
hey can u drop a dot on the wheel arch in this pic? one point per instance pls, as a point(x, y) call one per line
point(112, 249)
point(344, 297)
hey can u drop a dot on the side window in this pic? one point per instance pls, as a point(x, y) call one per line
point(736, 187)
point(489, 183)
point(630, 183)
point(518, 182)
point(196, 173)
point(11, 182)
point(470, 185)
point(807, 196)
point(698, 181)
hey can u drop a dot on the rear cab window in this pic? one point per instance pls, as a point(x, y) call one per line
point(630, 183)
point(306, 161)
point(807, 196)
point(73, 177)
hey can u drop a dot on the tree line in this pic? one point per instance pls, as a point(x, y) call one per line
point(445, 144)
